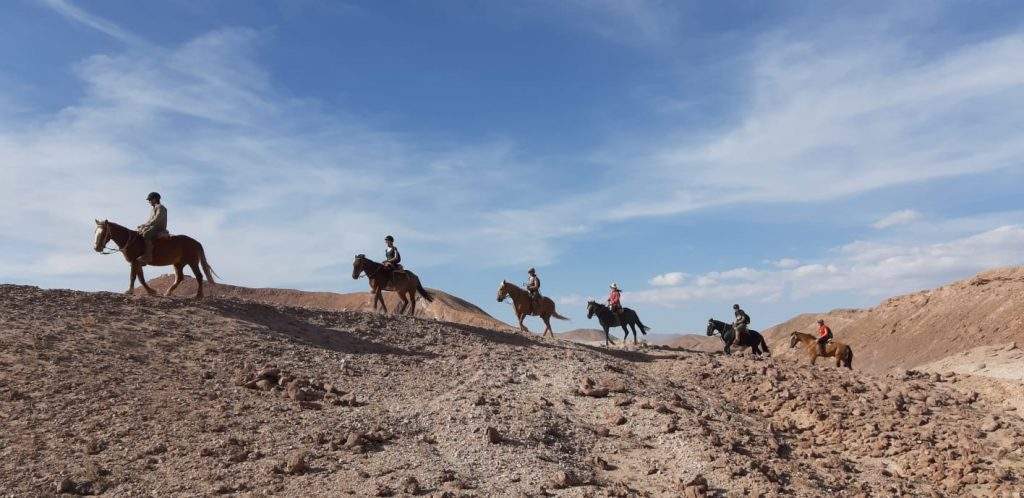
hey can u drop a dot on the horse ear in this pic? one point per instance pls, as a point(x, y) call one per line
point(97, 222)
point(503, 281)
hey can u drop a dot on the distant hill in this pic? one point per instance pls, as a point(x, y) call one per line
point(445, 307)
point(924, 327)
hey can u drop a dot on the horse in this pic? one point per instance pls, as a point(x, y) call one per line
point(841, 351)
point(523, 305)
point(403, 282)
point(176, 250)
point(752, 337)
point(609, 319)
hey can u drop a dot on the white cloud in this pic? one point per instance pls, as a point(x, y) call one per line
point(867, 268)
point(902, 217)
point(671, 278)
point(67, 9)
point(785, 263)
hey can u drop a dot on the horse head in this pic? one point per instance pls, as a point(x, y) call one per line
point(502, 291)
point(102, 235)
point(711, 326)
point(357, 265)
point(591, 308)
point(793, 339)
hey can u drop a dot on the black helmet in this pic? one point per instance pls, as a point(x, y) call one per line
point(153, 196)
point(390, 238)
point(531, 270)
point(735, 306)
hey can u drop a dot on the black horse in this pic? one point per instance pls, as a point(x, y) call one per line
point(609, 319)
point(752, 339)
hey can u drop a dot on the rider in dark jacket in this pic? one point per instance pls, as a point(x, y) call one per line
point(392, 258)
point(739, 325)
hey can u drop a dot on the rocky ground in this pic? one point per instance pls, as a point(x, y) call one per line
point(104, 393)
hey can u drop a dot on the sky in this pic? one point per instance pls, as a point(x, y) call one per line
point(787, 156)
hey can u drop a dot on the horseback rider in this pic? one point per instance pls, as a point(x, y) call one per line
point(739, 325)
point(824, 335)
point(533, 285)
point(615, 299)
point(154, 227)
point(392, 258)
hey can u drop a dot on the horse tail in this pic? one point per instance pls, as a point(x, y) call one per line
point(849, 358)
point(207, 269)
point(764, 345)
point(643, 328)
point(423, 292)
point(556, 315)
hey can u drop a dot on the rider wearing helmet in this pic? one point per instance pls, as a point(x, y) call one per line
point(742, 320)
point(615, 298)
point(533, 284)
point(153, 227)
point(392, 258)
point(824, 335)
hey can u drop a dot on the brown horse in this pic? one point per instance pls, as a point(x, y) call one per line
point(404, 282)
point(523, 305)
point(841, 351)
point(177, 250)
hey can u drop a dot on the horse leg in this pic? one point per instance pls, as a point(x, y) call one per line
point(379, 297)
point(178, 275)
point(142, 280)
point(194, 266)
point(522, 327)
point(412, 303)
point(131, 284)
point(547, 326)
point(405, 303)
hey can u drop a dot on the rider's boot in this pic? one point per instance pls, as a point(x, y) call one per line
point(147, 257)
point(821, 348)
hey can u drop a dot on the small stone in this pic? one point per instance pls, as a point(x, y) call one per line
point(296, 463)
point(411, 486)
point(493, 436)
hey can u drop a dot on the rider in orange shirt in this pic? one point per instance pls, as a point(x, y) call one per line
point(824, 335)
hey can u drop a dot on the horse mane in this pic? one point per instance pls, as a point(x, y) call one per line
point(801, 334)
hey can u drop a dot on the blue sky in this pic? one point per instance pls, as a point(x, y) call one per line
point(788, 157)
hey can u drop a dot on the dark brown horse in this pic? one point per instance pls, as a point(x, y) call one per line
point(841, 351)
point(176, 250)
point(403, 282)
point(523, 305)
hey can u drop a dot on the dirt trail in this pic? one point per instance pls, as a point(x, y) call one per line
point(121, 395)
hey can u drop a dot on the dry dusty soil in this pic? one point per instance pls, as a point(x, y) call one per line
point(131, 395)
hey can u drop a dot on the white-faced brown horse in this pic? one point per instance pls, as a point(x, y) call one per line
point(176, 250)
point(403, 282)
point(841, 351)
point(523, 305)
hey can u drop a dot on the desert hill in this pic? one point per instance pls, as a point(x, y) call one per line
point(445, 307)
point(924, 327)
point(135, 395)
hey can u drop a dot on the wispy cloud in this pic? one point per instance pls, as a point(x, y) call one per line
point(902, 217)
point(72, 12)
point(867, 268)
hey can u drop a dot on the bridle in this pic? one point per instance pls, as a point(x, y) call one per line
point(106, 250)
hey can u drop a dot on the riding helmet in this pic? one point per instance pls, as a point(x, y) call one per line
point(531, 270)
point(153, 196)
point(390, 238)
point(735, 306)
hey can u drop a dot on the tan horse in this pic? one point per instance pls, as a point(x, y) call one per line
point(405, 283)
point(523, 305)
point(841, 351)
point(177, 250)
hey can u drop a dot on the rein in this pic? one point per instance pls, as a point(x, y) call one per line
point(106, 250)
